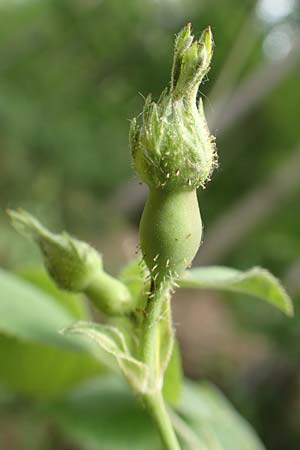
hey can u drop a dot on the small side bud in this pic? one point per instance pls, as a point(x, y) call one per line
point(75, 266)
point(72, 264)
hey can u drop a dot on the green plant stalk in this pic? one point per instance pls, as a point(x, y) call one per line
point(109, 295)
point(149, 347)
point(170, 234)
point(154, 401)
point(156, 407)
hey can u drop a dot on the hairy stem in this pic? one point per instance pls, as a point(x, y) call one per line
point(150, 331)
point(151, 356)
point(150, 347)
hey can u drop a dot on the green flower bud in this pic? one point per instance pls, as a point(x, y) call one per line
point(71, 263)
point(172, 147)
point(174, 154)
point(76, 266)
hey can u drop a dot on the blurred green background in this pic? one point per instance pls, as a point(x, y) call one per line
point(72, 75)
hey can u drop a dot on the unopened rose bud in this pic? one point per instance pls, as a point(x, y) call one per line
point(172, 147)
point(174, 153)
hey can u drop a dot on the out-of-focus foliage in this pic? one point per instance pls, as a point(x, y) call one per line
point(36, 359)
point(204, 419)
point(70, 75)
point(41, 364)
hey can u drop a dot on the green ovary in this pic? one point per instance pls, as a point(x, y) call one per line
point(170, 232)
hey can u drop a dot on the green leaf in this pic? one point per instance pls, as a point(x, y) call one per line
point(207, 421)
point(37, 360)
point(41, 371)
point(165, 339)
point(135, 276)
point(103, 414)
point(30, 314)
point(74, 303)
point(256, 281)
point(173, 377)
point(112, 340)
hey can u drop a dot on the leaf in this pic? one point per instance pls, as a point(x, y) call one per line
point(103, 414)
point(256, 281)
point(135, 276)
point(41, 371)
point(38, 276)
point(208, 421)
point(30, 314)
point(37, 360)
point(173, 377)
point(165, 339)
point(112, 341)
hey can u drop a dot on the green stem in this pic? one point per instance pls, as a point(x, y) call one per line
point(150, 349)
point(150, 355)
point(109, 295)
point(156, 407)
